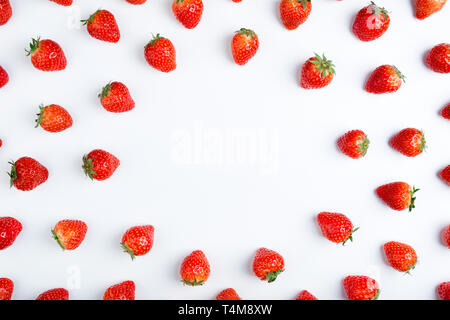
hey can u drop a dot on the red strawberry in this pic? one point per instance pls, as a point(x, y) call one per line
point(99, 164)
point(115, 97)
point(228, 294)
point(438, 59)
point(361, 288)
point(136, 1)
point(445, 112)
point(425, 8)
point(102, 25)
point(400, 256)
point(336, 227)
point(9, 230)
point(4, 78)
point(69, 233)
point(26, 174)
point(267, 264)
point(445, 174)
point(410, 142)
point(244, 45)
point(188, 12)
point(354, 144)
point(444, 290)
point(63, 2)
point(397, 195)
point(54, 294)
point(121, 291)
point(195, 269)
point(294, 12)
point(6, 288)
point(138, 241)
point(53, 118)
point(1, 143)
point(371, 22)
point(317, 72)
point(237, 0)
point(5, 11)
point(384, 79)
point(305, 295)
point(446, 236)
point(160, 54)
point(47, 55)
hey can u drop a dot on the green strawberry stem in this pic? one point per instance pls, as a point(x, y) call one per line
point(105, 91)
point(303, 2)
point(90, 19)
point(154, 40)
point(399, 74)
point(423, 142)
point(378, 10)
point(411, 205)
point(55, 236)
point(34, 45)
point(87, 167)
point(128, 250)
point(324, 65)
point(272, 276)
point(411, 267)
point(377, 294)
point(350, 237)
point(193, 283)
point(246, 32)
point(13, 174)
point(40, 116)
point(364, 146)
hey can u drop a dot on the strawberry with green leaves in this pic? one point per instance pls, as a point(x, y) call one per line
point(115, 97)
point(244, 45)
point(384, 79)
point(69, 234)
point(361, 288)
point(317, 72)
point(54, 294)
point(6, 289)
point(99, 164)
point(188, 12)
point(102, 25)
point(27, 174)
point(371, 22)
point(336, 227)
point(228, 294)
point(53, 118)
point(195, 269)
point(46, 55)
point(398, 195)
point(5, 11)
point(409, 142)
point(160, 54)
point(267, 264)
point(294, 12)
point(400, 256)
point(121, 291)
point(425, 8)
point(10, 228)
point(354, 144)
point(138, 241)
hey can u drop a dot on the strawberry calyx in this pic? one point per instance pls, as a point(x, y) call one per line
point(423, 142)
point(399, 74)
point(90, 19)
point(411, 205)
point(40, 116)
point(13, 174)
point(323, 64)
point(378, 10)
point(350, 237)
point(303, 2)
point(87, 167)
point(272, 276)
point(34, 45)
point(411, 267)
point(363, 146)
point(55, 236)
point(246, 32)
point(193, 283)
point(105, 91)
point(154, 40)
point(128, 250)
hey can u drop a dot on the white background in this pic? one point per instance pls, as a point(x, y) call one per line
point(227, 209)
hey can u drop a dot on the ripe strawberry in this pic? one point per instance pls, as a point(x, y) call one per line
point(371, 22)
point(47, 55)
point(138, 241)
point(5, 11)
point(294, 12)
point(102, 25)
point(361, 288)
point(1, 143)
point(445, 112)
point(228, 294)
point(136, 1)
point(4, 78)
point(195, 269)
point(446, 236)
point(267, 264)
point(410, 142)
point(305, 295)
point(397, 195)
point(384, 79)
point(160, 54)
point(438, 59)
point(63, 2)
point(6, 288)
point(26, 174)
point(425, 8)
point(244, 45)
point(53, 118)
point(115, 97)
point(54, 294)
point(317, 72)
point(354, 144)
point(9, 230)
point(445, 174)
point(99, 164)
point(336, 227)
point(69, 233)
point(400, 256)
point(121, 291)
point(237, 0)
point(444, 290)
point(188, 12)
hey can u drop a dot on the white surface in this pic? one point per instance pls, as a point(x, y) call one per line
point(226, 209)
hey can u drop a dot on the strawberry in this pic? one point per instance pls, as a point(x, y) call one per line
point(5, 11)
point(26, 174)
point(384, 79)
point(267, 264)
point(99, 164)
point(138, 241)
point(195, 269)
point(6, 288)
point(136, 1)
point(354, 144)
point(160, 54)
point(4, 78)
point(445, 174)
point(317, 72)
point(115, 97)
point(54, 294)
point(371, 22)
point(361, 288)
point(121, 291)
point(244, 45)
point(444, 290)
point(409, 142)
point(228, 294)
point(445, 112)
point(294, 12)
point(9, 230)
point(188, 12)
point(446, 236)
point(397, 195)
point(63, 2)
point(425, 8)
point(47, 55)
point(102, 25)
point(69, 233)
point(1, 143)
point(438, 59)
point(53, 118)
point(336, 227)
point(305, 295)
point(400, 256)
point(237, 0)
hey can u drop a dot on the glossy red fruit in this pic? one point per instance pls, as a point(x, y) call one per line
point(188, 12)
point(99, 164)
point(237, 0)
point(63, 2)
point(438, 59)
point(54, 294)
point(9, 230)
point(371, 22)
point(361, 288)
point(160, 54)
point(47, 55)
point(354, 144)
point(115, 97)
point(244, 46)
point(4, 78)
point(445, 112)
point(121, 291)
point(267, 264)
point(384, 79)
point(195, 269)
point(294, 12)
point(400, 256)
point(305, 295)
point(5, 11)
point(136, 1)
point(445, 174)
point(317, 72)
point(228, 294)
point(425, 8)
point(336, 227)
point(138, 241)
point(6, 288)
point(397, 195)
point(26, 174)
point(53, 118)
point(102, 25)
point(409, 142)
point(444, 290)
point(446, 236)
point(69, 233)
